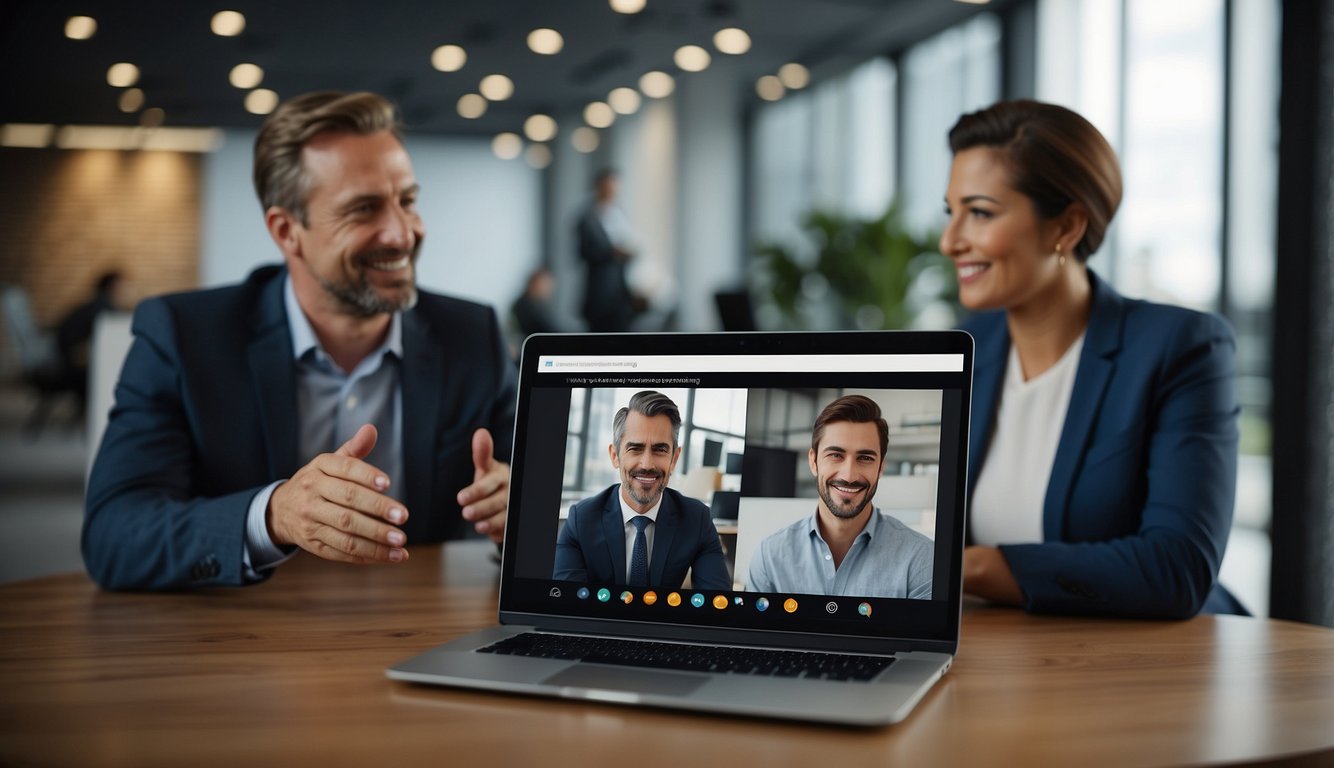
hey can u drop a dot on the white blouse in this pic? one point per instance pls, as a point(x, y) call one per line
point(1012, 484)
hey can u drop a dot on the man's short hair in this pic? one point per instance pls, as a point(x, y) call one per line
point(647, 403)
point(280, 176)
point(858, 409)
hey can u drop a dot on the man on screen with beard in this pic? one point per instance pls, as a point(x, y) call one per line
point(324, 404)
point(639, 532)
point(847, 547)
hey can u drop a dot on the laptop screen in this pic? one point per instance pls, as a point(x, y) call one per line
point(792, 484)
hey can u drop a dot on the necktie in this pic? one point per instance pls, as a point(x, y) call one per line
point(639, 555)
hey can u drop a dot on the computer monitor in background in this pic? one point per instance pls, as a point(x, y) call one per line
point(725, 505)
point(713, 453)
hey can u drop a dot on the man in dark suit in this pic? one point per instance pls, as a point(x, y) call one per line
point(325, 405)
point(604, 245)
point(639, 532)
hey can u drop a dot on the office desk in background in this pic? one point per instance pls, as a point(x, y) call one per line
point(292, 672)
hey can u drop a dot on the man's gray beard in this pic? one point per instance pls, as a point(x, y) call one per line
point(649, 500)
point(838, 511)
point(361, 300)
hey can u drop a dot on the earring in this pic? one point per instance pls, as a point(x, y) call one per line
point(1061, 256)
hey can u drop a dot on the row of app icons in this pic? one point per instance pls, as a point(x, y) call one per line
point(698, 600)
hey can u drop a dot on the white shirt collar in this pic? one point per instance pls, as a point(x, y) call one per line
point(628, 512)
point(303, 334)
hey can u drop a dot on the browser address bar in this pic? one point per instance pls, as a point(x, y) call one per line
point(569, 364)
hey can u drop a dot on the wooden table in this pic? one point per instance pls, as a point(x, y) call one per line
point(292, 672)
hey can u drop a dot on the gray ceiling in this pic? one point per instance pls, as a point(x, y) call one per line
point(385, 46)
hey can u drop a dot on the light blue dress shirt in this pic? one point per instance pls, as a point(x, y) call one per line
point(887, 559)
point(332, 404)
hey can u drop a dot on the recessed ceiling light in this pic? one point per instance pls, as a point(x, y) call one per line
point(122, 75)
point(152, 117)
point(692, 58)
point(471, 106)
point(539, 127)
point(770, 88)
point(80, 27)
point(246, 76)
point(657, 85)
point(131, 100)
point(599, 115)
point(227, 23)
point(732, 41)
point(449, 58)
point(538, 156)
point(624, 100)
point(507, 146)
point(584, 139)
point(260, 101)
point(545, 41)
point(496, 87)
point(627, 6)
point(794, 76)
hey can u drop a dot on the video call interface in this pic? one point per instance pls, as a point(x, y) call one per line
point(737, 493)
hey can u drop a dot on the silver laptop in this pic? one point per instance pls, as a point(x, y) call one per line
point(828, 590)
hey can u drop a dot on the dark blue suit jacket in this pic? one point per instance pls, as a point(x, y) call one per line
point(591, 546)
point(1140, 497)
point(205, 417)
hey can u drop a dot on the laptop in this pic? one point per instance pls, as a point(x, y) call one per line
point(737, 616)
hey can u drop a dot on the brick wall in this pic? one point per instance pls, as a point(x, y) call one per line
point(68, 216)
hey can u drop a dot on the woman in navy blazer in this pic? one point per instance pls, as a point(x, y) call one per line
point(1139, 495)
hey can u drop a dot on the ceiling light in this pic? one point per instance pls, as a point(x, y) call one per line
point(152, 117)
point(449, 58)
point(122, 75)
point(182, 140)
point(507, 146)
point(496, 87)
point(599, 115)
point(732, 40)
point(227, 23)
point(657, 85)
point(627, 6)
point(260, 101)
point(471, 106)
point(769, 88)
point(973, 2)
point(246, 76)
point(131, 100)
point(538, 156)
point(539, 127)
point(692, 58)
point(794, 76)
point(545, 41)
point(584, 139)
point(624, 100)
point(80, 27)
point(26, 135)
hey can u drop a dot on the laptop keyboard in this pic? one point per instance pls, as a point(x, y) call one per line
point(693, 658)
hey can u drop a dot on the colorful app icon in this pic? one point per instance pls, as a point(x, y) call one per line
point(673, 599)
point(738, 600)
point(720, 601)
point(831, 607)
point(604, 595)
point(697, 600)
point(650, 598)
point(762, 604)
point(627, 597)
point(583, 593)
point(864, 609)
point(790, 605)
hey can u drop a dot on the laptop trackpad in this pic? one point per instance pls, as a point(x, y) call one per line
point(640, 681)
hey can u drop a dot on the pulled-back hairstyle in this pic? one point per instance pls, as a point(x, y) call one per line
point(647, 403)
point(280, 176)
point(1053, 156)
point(858, 409)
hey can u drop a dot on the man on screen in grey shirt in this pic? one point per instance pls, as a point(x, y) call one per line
point(847, 547)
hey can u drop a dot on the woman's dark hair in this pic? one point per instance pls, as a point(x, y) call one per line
point(1053, 156)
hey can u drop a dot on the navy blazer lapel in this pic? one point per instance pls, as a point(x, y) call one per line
point(273, 375)
point(613, 530)
point(423, 375)
point(991, 356)
point(664, 534)
point(1102, 343)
